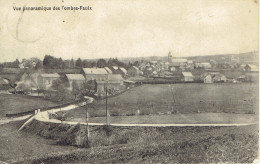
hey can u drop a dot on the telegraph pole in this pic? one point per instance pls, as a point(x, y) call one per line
point(87, 120)
point(106, 108)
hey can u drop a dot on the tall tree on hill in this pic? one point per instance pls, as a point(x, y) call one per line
point(16, 63)
point(79, 63)
point(72, 63)
point(101, 63)
point(52, 62)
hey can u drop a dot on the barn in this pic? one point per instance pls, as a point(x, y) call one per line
point(187, 76)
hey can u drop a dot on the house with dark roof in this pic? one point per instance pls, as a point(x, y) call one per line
point(47, 79)
point(206, 78)
point(79, 79)
point(114, 82)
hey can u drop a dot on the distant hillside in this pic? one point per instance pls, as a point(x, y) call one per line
point(248, 57)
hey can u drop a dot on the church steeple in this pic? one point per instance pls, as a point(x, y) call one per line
point(169, 56)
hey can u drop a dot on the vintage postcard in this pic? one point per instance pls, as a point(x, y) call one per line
point(129, 81)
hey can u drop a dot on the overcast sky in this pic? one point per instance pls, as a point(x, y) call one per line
point(128, 28)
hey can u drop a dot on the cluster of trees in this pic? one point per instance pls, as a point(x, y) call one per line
point(57, 63)
point(51, 62)
point(14, 64)
point(25, 63)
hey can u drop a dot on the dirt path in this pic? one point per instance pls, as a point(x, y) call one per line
point(66, 108)
point(201, 119)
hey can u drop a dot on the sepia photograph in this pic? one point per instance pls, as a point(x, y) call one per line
point(129, 81)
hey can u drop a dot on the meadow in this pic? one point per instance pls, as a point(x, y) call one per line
point(15, 103)
point(177, 98)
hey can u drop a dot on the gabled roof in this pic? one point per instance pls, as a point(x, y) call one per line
point(115, 67)
point(50, 75)
point(218, 76)
point(108, 70)
point(75, 77)
point(123, 70)
point(187, 74)
point(252, 66)
point(204, 75)
point(95, 71)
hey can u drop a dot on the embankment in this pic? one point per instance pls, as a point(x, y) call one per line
point(148, 144)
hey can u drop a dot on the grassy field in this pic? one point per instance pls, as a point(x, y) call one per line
point(10, 103)
point(148, 144)
point(178, 98)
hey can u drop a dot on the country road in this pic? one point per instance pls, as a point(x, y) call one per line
point(201, 119)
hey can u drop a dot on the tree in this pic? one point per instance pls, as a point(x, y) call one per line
point(61, 93)
point(88, 89)
point(79, 63)
point(101, 63)
point(39, 65)
point(16, 63)
point(72, 64)
point(51, 62)
point(75, 89)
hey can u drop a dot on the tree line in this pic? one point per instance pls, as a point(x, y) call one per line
point(51, 62)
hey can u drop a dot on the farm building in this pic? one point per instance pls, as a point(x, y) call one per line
point(206, 78)
point(47, 79)
point(187, 76)
point(4, 85)
point(219, 78)
point(98, 74)
point(79, 79)
point(115, 82)
point(251, 68)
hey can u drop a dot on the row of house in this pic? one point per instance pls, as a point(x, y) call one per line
point(102, 76)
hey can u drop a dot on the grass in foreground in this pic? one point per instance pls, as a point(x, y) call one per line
point(16, 145)
point(150, 144)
